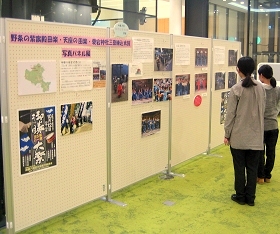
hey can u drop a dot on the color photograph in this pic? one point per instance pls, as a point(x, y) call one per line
point(163, 59)
point(163, 89)
point(150, 123)
point(232, 79)
point(142, 91)
point(224, 100)
point(201, 57)
point(219, 80)
point(182, 85)
point(232, 57)
point(37, 138)
point(201, 82)
point(119, 82)
point(76, 118)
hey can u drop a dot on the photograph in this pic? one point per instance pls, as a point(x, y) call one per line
point(232, 79)
point(219, 80)
point(76, 118)
point(182, 85)
point(224, 100)
point(232, 57)
point(142, 91)
point(162, 89)
point(201, 57)
point(150, 123)
point(201, 82)
point(37, 138)
point(163, 59)
point(119, 82)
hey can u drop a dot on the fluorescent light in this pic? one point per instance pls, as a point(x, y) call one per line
point(253, 9)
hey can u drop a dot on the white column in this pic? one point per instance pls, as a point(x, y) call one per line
point(175, 19)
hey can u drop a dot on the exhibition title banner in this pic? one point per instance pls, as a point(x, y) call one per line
point(45, 39)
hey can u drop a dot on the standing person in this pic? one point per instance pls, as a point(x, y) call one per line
point(271, 131)
point(244, 126)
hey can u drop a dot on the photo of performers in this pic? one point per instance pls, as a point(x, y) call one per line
point(163, 59)
point(182, 85)
point(224, 100)
point(232, 57)
point(219, 80)
point(150, 123)
point(163, 89)
point(201, 82)
point(201, 57)
point(119, 82)
point(37, 138)
point(232, 79)
point(76, 118)
point(142, 91)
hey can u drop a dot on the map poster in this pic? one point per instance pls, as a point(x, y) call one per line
point(36, 77)
point(37, 138)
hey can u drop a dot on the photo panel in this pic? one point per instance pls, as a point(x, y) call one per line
point(163, 59)
point(142, 91)
point(119, 82)
point(201, 82)
point(151, 123)
point(220, 80)
point(232, 79)
point(232, 57)
point(163, 89)
point(201, 57)
point(182, 85)
point(224, 100)
point(76, 118)
point(99, 74)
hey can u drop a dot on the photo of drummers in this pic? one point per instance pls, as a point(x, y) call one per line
point(163, 59)
point(142, 91)
point(150, 123)
point(119, 82)
point(163, 89)
point(201, 82)
point(219, 80)
point(232, 57)
point(232, 79)
point(76, 118)
point(201, 57)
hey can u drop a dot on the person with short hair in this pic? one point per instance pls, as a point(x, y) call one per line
point(267, 157)
point(244, 127)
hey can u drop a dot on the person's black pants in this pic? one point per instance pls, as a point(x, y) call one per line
point(267, 157)
point(245, 163)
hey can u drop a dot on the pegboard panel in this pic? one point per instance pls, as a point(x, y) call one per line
point(80, 174)
point(218, 104)
point(190, 123)
point(135, 157)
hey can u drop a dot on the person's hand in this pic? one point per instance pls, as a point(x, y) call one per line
point(24, 127)
point(226, 141)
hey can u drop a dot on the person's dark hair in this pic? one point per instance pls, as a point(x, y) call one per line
point(267, 73)
point(246, 65)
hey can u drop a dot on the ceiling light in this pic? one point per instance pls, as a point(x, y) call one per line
point(241, 2)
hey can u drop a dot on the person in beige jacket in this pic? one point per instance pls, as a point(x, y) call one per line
point(244, 127)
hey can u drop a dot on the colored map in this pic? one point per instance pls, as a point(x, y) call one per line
point(35, 76)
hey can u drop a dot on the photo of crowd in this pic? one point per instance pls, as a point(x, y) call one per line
point(162, 89)
point(200, 82)
point(119, 82)
point(232, 57)
point(150, 123)
point(142, 91)
point(163, 59)
point(76, 117)
point(219, 80)
point(224, 100)
point(201, 57)
point(232, 79)
point(182, 85)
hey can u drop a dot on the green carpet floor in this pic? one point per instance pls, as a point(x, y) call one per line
point(198, 203)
